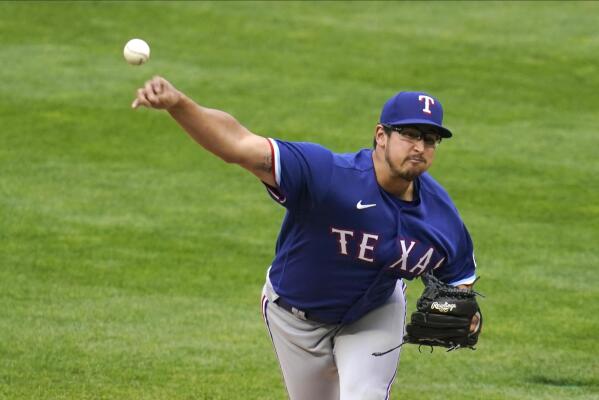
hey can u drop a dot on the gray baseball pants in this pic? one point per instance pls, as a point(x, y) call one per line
point(332, 362)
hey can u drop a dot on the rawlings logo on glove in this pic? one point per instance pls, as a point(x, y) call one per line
point(445, 307)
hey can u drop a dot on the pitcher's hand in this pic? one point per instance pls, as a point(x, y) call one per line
point(157, 93)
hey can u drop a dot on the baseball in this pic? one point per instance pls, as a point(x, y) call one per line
point(136, 52)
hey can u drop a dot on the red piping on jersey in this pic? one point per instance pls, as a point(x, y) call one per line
point(272, 160)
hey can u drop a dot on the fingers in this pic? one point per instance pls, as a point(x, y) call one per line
point(157, 85)
point(149, 92)
point(141, 99)
point(149, 95)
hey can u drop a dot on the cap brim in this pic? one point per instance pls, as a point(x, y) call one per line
point(444, 132)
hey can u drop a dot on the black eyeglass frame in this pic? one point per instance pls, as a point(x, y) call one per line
point(422, 135)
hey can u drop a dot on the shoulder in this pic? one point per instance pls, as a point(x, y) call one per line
point(433, 188)
point(436, 196)
point(301, 148)
point(360, 160)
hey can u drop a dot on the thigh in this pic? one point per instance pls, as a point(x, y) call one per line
point(305, 352)
point(362, 375)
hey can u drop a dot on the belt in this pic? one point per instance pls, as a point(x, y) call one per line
point(299, 313)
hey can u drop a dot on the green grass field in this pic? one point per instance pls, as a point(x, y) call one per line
point(131, 261)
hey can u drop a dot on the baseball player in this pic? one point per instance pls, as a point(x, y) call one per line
point(356, 226)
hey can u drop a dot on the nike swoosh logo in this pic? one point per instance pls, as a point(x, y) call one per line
point(361, 206)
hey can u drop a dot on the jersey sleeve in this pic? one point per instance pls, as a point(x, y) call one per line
point(461, 269)
point(302, 172)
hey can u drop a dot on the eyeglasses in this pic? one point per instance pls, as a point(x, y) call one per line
point(414, 134)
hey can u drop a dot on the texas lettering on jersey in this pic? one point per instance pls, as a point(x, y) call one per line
point(413, 261)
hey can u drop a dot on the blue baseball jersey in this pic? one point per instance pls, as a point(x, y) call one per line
point(345, 241)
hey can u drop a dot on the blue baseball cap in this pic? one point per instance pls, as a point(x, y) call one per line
point(414, 108)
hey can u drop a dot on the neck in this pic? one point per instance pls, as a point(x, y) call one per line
point(391, 183)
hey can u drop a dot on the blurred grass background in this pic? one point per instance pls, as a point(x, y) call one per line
point(131, 261)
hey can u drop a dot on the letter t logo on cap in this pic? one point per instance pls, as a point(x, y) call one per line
point(427, 102)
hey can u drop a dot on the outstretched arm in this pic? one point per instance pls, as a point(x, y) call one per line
point(215, 130)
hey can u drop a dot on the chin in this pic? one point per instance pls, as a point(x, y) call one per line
point(411, 174)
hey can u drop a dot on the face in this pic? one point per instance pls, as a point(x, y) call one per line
point(406, 154)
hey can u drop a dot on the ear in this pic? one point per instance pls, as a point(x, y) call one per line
point(380, 137)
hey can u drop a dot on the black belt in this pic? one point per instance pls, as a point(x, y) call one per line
point(299, 313)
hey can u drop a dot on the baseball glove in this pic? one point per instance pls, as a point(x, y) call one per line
point(443, 317)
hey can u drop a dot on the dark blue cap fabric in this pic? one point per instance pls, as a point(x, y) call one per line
point(413, 108)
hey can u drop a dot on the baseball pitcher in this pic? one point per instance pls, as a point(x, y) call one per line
point(356, 226)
